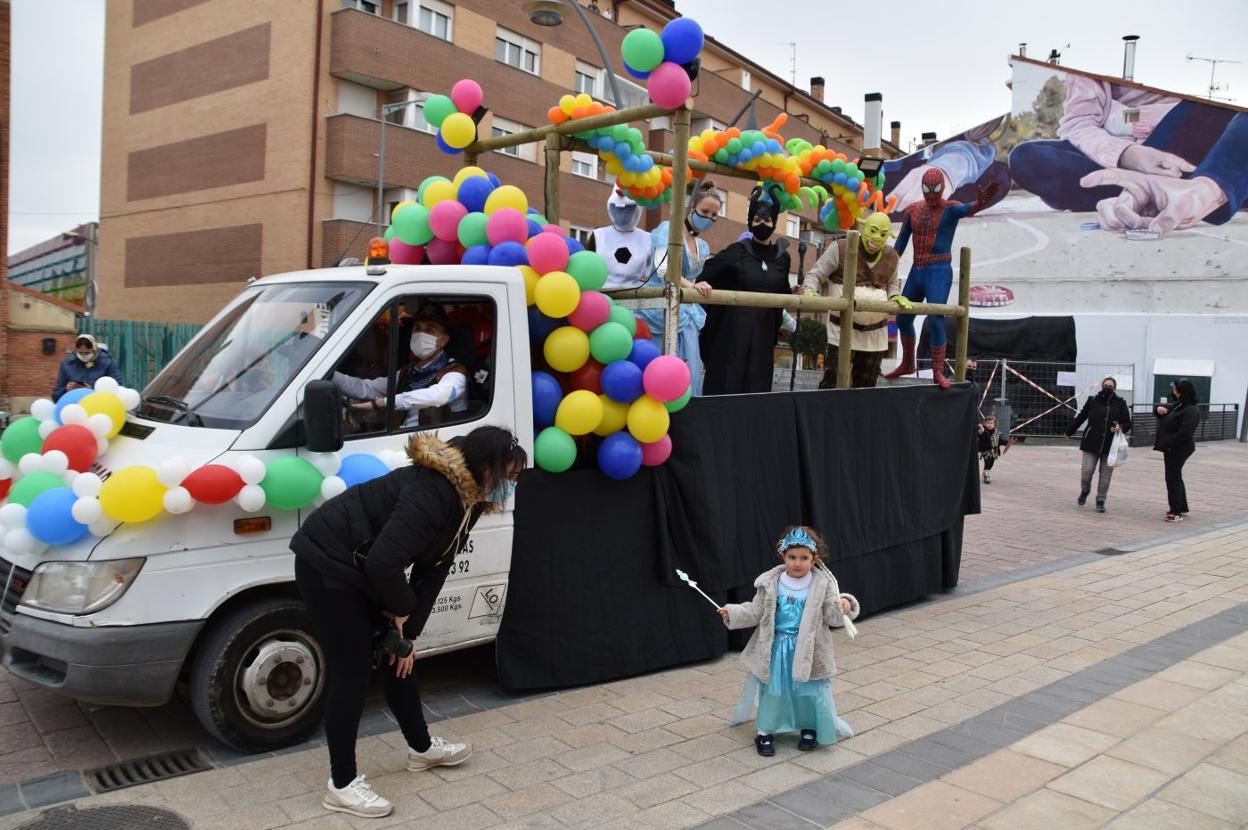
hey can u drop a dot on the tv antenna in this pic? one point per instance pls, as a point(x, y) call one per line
point(1214, 86)
point(792, 61)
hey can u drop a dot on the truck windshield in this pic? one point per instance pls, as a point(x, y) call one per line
point(230, 375)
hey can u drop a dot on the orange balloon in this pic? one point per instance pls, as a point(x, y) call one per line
point(578, 112)
point(791, 183)
point(733, 132)
point(555, 115)
point(892, 203)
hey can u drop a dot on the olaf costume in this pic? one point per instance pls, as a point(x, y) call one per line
point(624, 246)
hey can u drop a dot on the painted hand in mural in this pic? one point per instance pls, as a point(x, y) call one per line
point(910, 189)
point(1151, 160)
point(1157, 203)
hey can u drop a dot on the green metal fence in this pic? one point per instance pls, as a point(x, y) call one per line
point(141, 348)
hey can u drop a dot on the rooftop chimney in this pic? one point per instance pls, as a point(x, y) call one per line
point(873, 121)
point(928, 138)
point(816, 88)
point(895, 133)
point(1128, 57)
point(1022, 50)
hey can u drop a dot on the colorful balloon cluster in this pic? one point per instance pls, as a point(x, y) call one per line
point(851, 190)
point(621, 148)
point(453, 116)
point(665, 61)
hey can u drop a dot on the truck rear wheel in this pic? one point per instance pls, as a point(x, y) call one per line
point(258, 678)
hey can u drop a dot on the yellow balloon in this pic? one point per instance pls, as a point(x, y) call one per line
point(399, 207)
point(614, 417)
point(106, 403)
point(566, 349)
point(132, 494)
point(648, 419)
point(579, 413)
point(468, 172)
point(557, 294)
point(506, 196)
point(459, 130)
point(567, 103)
point(530, 283)
point(439, 192)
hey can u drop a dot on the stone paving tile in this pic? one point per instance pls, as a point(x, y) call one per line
point(1156, 814)
point(1110, 782)
point(1046, 810)
point(934, 806)
point(1212, 790)
point(1005, 776)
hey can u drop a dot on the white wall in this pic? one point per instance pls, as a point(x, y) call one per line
point(356, 99)
point(351, 201)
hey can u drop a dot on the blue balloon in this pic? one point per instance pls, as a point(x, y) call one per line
point(643, 352)
point(619, 456)
point(574, 247)
point(50, 517)
point(494, 180)
point(744, 156)
point(622, 381)
point(446, 148)
point(360, 467)
point(509, 253)
point(540, 326)
point(635, 73)
point(852, 183)
point(623, 151)
point(758, 148)
point(840, 178)
point(682, 40)
point(773, 146)
point(73, 396)
point(473, 191)
point(534, 228)
point(476, 255)
point(547, 393)
point(647, 161)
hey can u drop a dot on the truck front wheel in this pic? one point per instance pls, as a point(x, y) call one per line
point(258, 677)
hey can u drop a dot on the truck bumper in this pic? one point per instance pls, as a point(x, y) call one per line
point(115, 666)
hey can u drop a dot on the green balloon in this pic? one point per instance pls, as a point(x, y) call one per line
point(22, 436)
point(642, 49)
point(721, 155)
point(620, 132)
point(420, 191)
point(554, 450)
point(437, 108)
point(734, 145)
point(411, 225)
point(635, 137)
point(290, 482)
point(611, 341)
point(30, 486)
point(589, 270)
point(838, 165)
point(472, 230)
point(389, 234)
point(680, 403)
point(851, 170)
point(621, 315)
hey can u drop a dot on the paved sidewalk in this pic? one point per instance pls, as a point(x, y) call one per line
point(1115, 690)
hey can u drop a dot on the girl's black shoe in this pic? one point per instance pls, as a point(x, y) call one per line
point(807, 743)
point(765, 744)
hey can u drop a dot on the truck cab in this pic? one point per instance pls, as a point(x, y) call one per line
point(206, 599)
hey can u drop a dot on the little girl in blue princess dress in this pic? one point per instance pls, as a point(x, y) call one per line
point(789, 657)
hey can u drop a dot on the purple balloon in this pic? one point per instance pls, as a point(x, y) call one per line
point(473, 191)
point(509, 253)
point(643, 352)
point(623, 381)
point(476, 255)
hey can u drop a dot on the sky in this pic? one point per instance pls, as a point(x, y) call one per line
point(940, 66)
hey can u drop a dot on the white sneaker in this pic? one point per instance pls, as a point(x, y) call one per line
point(357, 798)
point(441, 753)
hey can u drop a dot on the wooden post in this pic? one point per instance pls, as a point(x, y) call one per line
point(845, 349)
point(964, 319)
point(554, 154)
point(676, 230)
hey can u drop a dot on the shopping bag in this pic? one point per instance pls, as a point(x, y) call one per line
point(1118, 450)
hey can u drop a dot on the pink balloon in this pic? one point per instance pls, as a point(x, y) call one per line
point(445, 252)
point(444, 219)
point(555, 229)
point(593, 310)
point(403, 254)
point(666, 378)
point(668, 85)
point(547, 253)
point(507, 225)
point(467, 95)
point(652, 455)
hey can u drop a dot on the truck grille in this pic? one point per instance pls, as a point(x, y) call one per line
point(14, 580)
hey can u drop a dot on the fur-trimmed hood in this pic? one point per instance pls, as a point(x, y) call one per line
point(431, 452)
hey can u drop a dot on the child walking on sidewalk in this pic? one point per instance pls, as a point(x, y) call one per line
point(790, 654)
point(989, 444)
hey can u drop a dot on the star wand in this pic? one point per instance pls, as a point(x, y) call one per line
point(684, 577)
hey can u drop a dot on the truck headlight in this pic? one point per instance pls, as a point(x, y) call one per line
point(80, 587)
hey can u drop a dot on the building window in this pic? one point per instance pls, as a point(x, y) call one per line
point(723, 202)
point(588, 80)
point(433, 17)
point(794, 226)
point(363, 5)
point(501, 127)
point(581, 234)
point(401, 12)
point(517, 51)
point(401, 113)
point(632, 95)
point(585, 164)
point(746, 80)
point(700, 125)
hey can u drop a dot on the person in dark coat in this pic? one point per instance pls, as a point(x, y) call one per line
point(350, 559)
point(738, 343)
point(84, 367)
point(1176, 439)
point(1106, 414)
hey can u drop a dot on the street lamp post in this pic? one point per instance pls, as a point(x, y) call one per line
point(549, 13)
point(382, 112)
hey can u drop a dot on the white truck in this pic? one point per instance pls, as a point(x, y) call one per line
point(207, 598)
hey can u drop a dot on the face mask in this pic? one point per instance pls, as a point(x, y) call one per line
point(424, 345)
point(501, 493)
point(85, 358)
point(1106, 391)
point(700, 223)
point(762, 232)
point(623, 218)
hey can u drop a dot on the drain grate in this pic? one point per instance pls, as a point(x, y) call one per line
point(132, 817)
point(146, 770)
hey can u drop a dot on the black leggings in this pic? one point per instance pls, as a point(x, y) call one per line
point(346, 619)
point(1176, 490)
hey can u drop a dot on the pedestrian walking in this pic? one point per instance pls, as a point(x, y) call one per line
point(1176, 439)
point(350, 558)
point(789, 656)
point(988, 441)
point(1105, 414)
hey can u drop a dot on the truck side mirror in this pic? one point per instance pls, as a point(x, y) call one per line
point(322, 416)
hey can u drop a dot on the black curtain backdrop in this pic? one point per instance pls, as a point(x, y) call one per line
point(886, 475)
point(1041, 339)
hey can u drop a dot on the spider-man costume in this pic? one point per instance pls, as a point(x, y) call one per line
point(931, 223)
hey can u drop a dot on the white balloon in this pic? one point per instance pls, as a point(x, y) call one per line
point(396, 459)
point(69, 476)
point(32, 462)
point(19, 541)
point(87, 485)
point(48, 427)
point(328, 463)
point(100, 425)
point(173, 471)
point(332, 486)
point(130, 398)
point(40, 548)
point(6, 469)
point(107, 384)
point(74, 414)
point(13, 516)
point(87, 511)
point(102, 527)
point(251, 498)
point(55, 461)
point(101, 447)
point(178, 500)
point(250, 469)
point(43, 409)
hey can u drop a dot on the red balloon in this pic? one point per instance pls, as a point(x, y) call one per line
point(5, 485)
point(588, 377)
point(643, 330)
point(444, 251)
point(77, 442)
point(213, 484)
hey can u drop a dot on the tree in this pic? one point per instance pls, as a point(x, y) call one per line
point(810, 338)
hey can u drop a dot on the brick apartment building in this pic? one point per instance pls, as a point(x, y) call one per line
point(6, 55)
point(241, 136)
